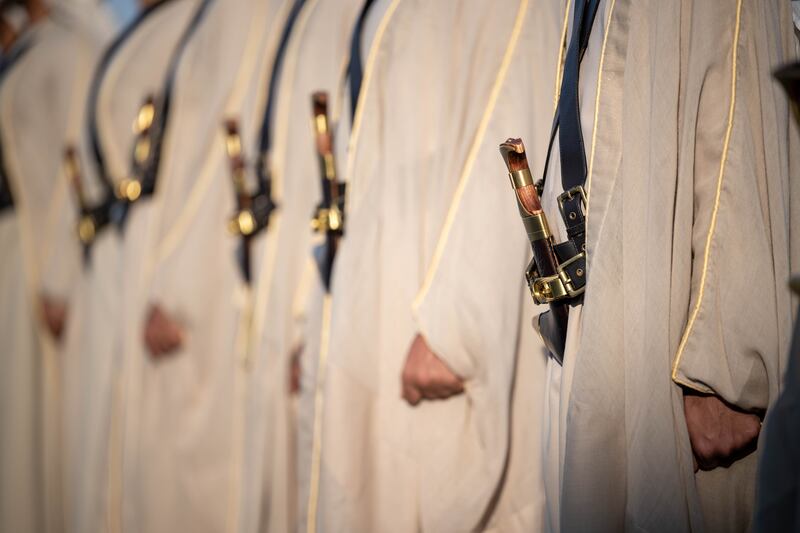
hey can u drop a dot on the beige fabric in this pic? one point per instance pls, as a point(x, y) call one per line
point(439, 467)
point(212, 301)
point(311, 302)
point(669, 135)
point(93, 345)
point(42, 106)
point(181, 439)
point(21, 506)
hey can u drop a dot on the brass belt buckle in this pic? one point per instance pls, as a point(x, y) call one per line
point(549, 289)
point(569, 195)
point(327, 219)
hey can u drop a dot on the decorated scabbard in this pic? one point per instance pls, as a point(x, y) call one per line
point(243, 222)
point(552, 324)
point(329, 216)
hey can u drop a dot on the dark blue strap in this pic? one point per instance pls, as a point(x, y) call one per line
point(570, 134)
point(169, 84)
point(355, 69)
point(94, 91)
point(6, 64)
point(265, 140)
point(566, 122)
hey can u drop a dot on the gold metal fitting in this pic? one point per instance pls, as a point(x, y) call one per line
point(321, 123)
point(548, 289)
point(330, 166)
point(520, 178)
point(319, 223)
point(86, 230)
point(334, 218)
point(142, 150)
point(233, 145)
point(536, 227)
point(568, 195)
point(244, 223)
point(129, 189)
point(144, 119)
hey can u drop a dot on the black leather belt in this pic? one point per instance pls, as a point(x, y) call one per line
point(567, 286)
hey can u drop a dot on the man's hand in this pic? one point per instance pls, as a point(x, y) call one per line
point(54, 315)
point(425, 376)
point(295, 370)
point(162, 334)
point(719, 434)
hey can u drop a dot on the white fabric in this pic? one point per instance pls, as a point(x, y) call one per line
point(42, 107)
point(212, 302)
point(21, 507)
point(183, 413)
point(437, 93)
point(92, 383)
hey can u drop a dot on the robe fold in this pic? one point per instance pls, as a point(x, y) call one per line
point(440, 92)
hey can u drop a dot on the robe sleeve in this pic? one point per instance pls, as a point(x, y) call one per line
point(469, 313)
point(734, 156)
point(468, 310)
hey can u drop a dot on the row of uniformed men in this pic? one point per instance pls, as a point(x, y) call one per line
point(166, 374)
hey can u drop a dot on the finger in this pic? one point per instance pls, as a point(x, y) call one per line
point(412, 395)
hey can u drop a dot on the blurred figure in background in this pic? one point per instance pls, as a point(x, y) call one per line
point(315, 60)
point(110, 163)
point(196, 422)
point(41, 107)
point(184, 423)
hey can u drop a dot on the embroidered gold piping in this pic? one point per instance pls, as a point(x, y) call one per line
point(473, 153)
point(316, 449)
point(597, 107)
point(560, 62)
point(715, 212)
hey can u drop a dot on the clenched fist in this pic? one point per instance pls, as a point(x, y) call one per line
point(719, 434)
point(162, 334)
point(425, 376)
point(54, 315)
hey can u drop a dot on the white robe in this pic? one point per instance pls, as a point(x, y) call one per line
point(183, 413)
point(42, 108)
point(213, 302)
point(329, 31)
point(92, 381)
point(440, 80)
point(690, 201)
